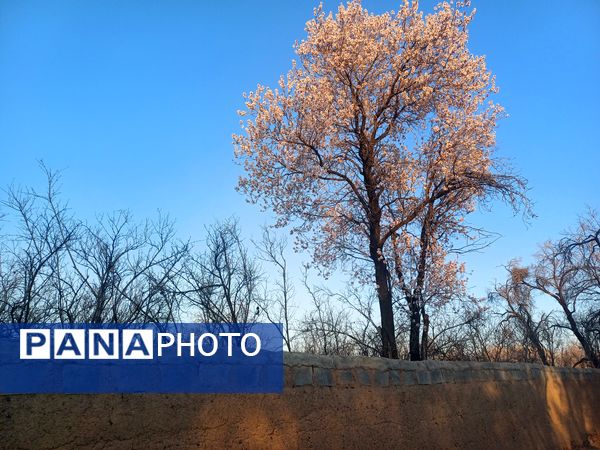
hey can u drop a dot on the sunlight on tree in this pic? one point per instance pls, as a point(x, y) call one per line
point(383, 121)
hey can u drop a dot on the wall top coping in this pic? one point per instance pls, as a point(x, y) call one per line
point(293, 359)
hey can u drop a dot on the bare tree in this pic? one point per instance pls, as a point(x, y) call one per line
point(326, 329)
point(29, 254)
point(339, 323)
point(127, 272)
point(518, 305)
point(222, 284)
point(276, 304)
point(55, 268)
point(568, 271)
point(449, 329)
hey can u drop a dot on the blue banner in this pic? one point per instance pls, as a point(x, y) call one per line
point(156, 358)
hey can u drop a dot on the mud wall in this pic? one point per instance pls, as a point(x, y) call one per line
point(332, 403)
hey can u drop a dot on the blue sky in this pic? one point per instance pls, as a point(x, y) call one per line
point(136, 103)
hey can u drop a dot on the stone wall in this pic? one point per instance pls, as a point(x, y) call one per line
point(341, 372)
point(332, 402)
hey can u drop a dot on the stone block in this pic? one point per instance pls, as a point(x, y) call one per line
point(304, 359)
point(485, 375)
point(322, 377)
point(363, 376)
point(462, 375)
point(424, 376)
point(448, 375)
point(345, 377)
point(303, 376)
point(395, 377)
point(409, 377)
point(501, 375)
point(536, 372)
point(382, 378)
point(518, 375)
point(436, 376)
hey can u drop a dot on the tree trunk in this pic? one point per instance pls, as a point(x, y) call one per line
point(416, 303)
point(425, 334)
point(591, 356)
point(389, 349)
point(415, 326)
point(534, 338)
point(540, 350)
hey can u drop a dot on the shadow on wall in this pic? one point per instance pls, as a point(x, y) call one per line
point(331, 403)
point(573, 408)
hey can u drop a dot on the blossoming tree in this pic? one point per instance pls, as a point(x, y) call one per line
point(381, 117)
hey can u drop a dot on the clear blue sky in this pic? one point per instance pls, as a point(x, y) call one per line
point(137, 102)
